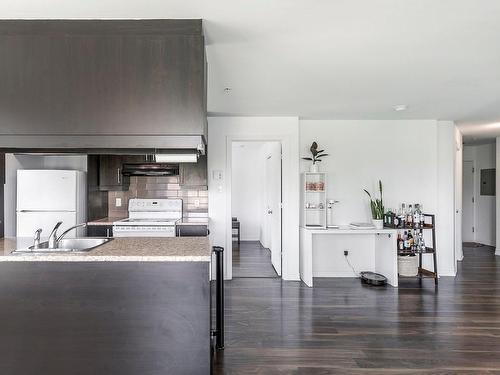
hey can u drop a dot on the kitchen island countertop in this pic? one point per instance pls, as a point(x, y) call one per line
point(132, 249)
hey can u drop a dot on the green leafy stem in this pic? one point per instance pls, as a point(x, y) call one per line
point(377, 205)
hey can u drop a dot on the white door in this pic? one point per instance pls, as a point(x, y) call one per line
point(273, 182)
point(46, 190)
point(29, 222)
point(468, 203)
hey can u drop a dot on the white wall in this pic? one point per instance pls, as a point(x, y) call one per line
point(497, 252)
point(459, 254)
point(484, 157)
point(400, 153)
point(15, 162)
point(247, 188)
point(222, 131)
point(415, 160)
point(445, 212)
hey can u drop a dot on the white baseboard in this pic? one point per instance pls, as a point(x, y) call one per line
point(333, 274)
point(447, 273)
point(497, 251)
point(290, 277)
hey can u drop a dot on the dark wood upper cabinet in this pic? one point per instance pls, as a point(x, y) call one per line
point(102, 77)
point(110, 173)
point(2, 194)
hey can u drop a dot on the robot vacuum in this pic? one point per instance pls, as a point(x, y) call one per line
point(372, 278)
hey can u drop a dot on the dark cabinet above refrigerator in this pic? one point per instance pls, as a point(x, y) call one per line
point(102, 83)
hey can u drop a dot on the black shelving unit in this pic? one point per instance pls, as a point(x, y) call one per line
point(429, 225)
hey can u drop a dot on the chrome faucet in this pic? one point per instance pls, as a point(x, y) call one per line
point(53, 236)
point(36, 241)
point(69, 230)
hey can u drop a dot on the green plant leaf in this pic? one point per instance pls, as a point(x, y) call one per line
point(321, 155)
point(307, 159)
point(367, 192)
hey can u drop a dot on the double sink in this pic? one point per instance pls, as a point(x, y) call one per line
point(66, 245)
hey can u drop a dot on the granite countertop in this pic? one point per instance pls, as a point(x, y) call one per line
point(144, 249)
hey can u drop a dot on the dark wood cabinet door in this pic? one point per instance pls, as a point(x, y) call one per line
point(2, 195)
point(100, 231)
point(192, 230)
point(126, 80)
point(110, 173)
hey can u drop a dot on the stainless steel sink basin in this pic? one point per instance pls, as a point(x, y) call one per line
point(66, 245)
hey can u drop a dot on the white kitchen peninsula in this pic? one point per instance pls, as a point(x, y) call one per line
point(322, 253)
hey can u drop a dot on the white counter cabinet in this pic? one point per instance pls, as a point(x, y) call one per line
point(369, 249)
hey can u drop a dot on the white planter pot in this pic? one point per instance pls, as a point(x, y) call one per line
point(379, 224)
point(314, 168)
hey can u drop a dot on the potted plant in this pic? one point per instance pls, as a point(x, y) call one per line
point(316, 157)
point(377, 208)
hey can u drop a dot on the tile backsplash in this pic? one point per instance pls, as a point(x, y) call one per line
point(195, 197)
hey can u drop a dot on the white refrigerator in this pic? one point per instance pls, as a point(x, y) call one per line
point(45, 197)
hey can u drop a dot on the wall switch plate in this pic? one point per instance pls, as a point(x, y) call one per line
point(118, 202)
point(217, 175)
point(196, 203)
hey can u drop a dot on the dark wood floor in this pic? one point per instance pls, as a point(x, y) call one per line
point(251, 259)
point(342, 327)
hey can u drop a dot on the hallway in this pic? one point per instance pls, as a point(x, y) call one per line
point(342, 327)
point(251, 259)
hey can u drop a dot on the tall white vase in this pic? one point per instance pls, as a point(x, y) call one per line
point(378, 224)
point(314, 168)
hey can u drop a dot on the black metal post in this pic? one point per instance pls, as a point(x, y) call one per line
point(219, 297)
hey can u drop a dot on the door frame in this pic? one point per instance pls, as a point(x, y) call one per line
point(474, 195)
point(229, 182)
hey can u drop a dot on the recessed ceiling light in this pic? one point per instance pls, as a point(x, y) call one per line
point(400, 107)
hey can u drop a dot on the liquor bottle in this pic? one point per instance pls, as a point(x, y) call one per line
point(422, 217)
point(410, 241)
point(409, 217)
point(395, 218)
point(401, 246)
point(402, 216)
point(416, 216)
point(405, 241)
point(421, 242)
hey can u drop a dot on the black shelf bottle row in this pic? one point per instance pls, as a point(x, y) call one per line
point(429, 224)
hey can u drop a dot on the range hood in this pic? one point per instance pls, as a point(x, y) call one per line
point(150, 169)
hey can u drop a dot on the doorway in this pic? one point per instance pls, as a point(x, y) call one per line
point(468, 200)
point(256, 196)
point(479, 195)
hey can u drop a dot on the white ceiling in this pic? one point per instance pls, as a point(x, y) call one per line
point(340, 59)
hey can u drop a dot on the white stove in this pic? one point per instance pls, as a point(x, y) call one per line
point(149, 218)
